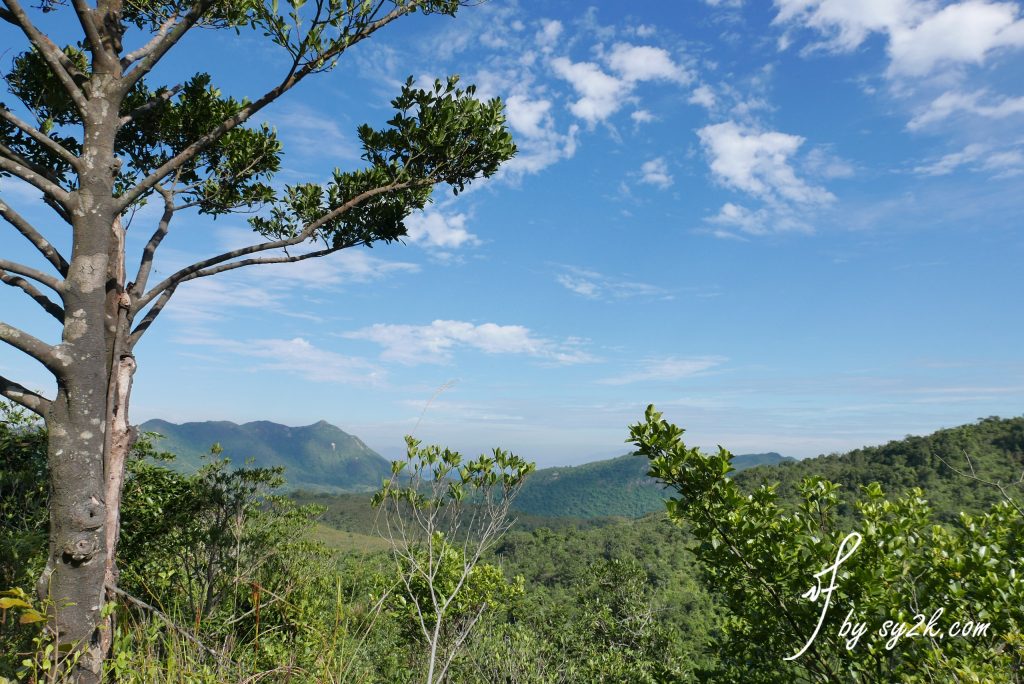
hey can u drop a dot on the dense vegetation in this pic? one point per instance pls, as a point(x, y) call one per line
point(222, 580)
point(992, 448)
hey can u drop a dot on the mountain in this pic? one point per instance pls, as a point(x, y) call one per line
point(318, 457)
point(615, 487)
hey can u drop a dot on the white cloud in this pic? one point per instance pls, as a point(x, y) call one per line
point(352, 265)
point(746, 220)
point(309, 133)
point(550, 30)
point(641, 116)
point(950, 162)
point(921, 35)
point(434, 343)
point(435, 229)
point(655, 172)
point(1004, 162)
point(704, 96)
point(298, 356)
point(758, 163)
point(594, 285)
point(645, 63)
point(528, 111)
point(527, 117)
point(951, 102)
point(965, 32)
point(823, 164)
point(666, 369)
point(603, 94)
point(207, 299)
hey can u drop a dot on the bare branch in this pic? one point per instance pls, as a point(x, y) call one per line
point(293, 78)
point(150, 316)
point(143, 51)
point(997, 485)
point(163, 616)
point(149, 252)
point(34, 402)
point(38, 276)
point(12, 162)
point(59, 63)
point(40, 137)
point(188, 272)
point(42, 300)
point(34, 236)
point(34, 347)
point(86, 19)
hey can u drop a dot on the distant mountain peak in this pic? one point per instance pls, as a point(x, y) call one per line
point(319, 457)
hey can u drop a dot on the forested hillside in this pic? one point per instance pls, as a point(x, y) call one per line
point(992, 449)
point(614, 487)
point(318, 457)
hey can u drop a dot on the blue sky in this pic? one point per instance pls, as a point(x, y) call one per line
point(792, 226)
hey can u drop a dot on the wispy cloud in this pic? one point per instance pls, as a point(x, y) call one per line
point(312, 134)
point(666, 369)
point(296, 356)
point(594, 285)
point(977, 157)
point(436, 343)
point(979, 102)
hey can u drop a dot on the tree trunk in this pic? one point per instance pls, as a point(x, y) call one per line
point(87, 421)
point(73, 581)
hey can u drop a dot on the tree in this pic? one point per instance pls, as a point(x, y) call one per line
point(898, 598)
point(87, 128)
point(441, 515)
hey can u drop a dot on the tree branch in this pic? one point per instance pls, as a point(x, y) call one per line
point(149, 252)
point(286, 259)
point(59, 63)
point(86, 19)
point(34, 402)
point(244, 114)
point(38, 276)
point(42, 300)
point(151, 45)
point(11, 162)
point(162, 96)
point(150, 316)
point(154, 53)
point(34, 347)
point(32, 235)
point(40, 137)
point(188, 272)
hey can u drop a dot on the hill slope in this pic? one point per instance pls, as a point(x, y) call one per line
point(993, 447)
point(618, 487)
point(318, 457)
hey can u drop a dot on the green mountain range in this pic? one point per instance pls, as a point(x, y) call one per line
point(318, 457)
point(615, 487)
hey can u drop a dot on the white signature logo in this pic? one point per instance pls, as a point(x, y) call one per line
point(854, 539)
